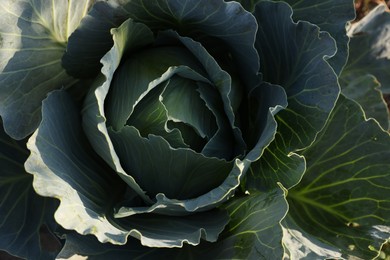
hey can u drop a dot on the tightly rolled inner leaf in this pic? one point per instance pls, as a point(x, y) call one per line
point(163, 107)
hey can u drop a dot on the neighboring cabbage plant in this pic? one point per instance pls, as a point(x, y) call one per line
point(193, 129)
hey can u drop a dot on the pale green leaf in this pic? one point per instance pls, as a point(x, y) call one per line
point(369, 48)
point(33, 37)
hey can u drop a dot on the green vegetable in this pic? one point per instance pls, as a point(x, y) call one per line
point(183, 129)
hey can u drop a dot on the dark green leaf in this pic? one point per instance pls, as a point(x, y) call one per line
point(150, 116)
point(94, 120)
point(254, 232)
point(79, 246)
point(92, 39)
point(22, 211)
point(177, 173)
point(226, 143)
point(247, 4)
point(275, 166)
point(213, 23)
point(293, 55)
point(344, 195)
point(96, 129)
point(65, 167)
point(185, 104)
point(263, 103)
point(140, 73)
point(365, 90)
point(330, 16)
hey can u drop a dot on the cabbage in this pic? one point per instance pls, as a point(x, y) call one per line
point(189, 129)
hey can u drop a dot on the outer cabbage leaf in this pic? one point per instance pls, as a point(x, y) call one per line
point(91, 40)
point(343, 198)
point(254, 232)
point(22, 211)
point(293, 56)
point(368, 63)
point(33, 37)
point(299, 244)
point(65, 168)
point(366, 90)
point(214, 23)
point(330, 16)
point(369, 48)
point(87, 246)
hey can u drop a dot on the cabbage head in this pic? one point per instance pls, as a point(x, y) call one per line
point(190, 129)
